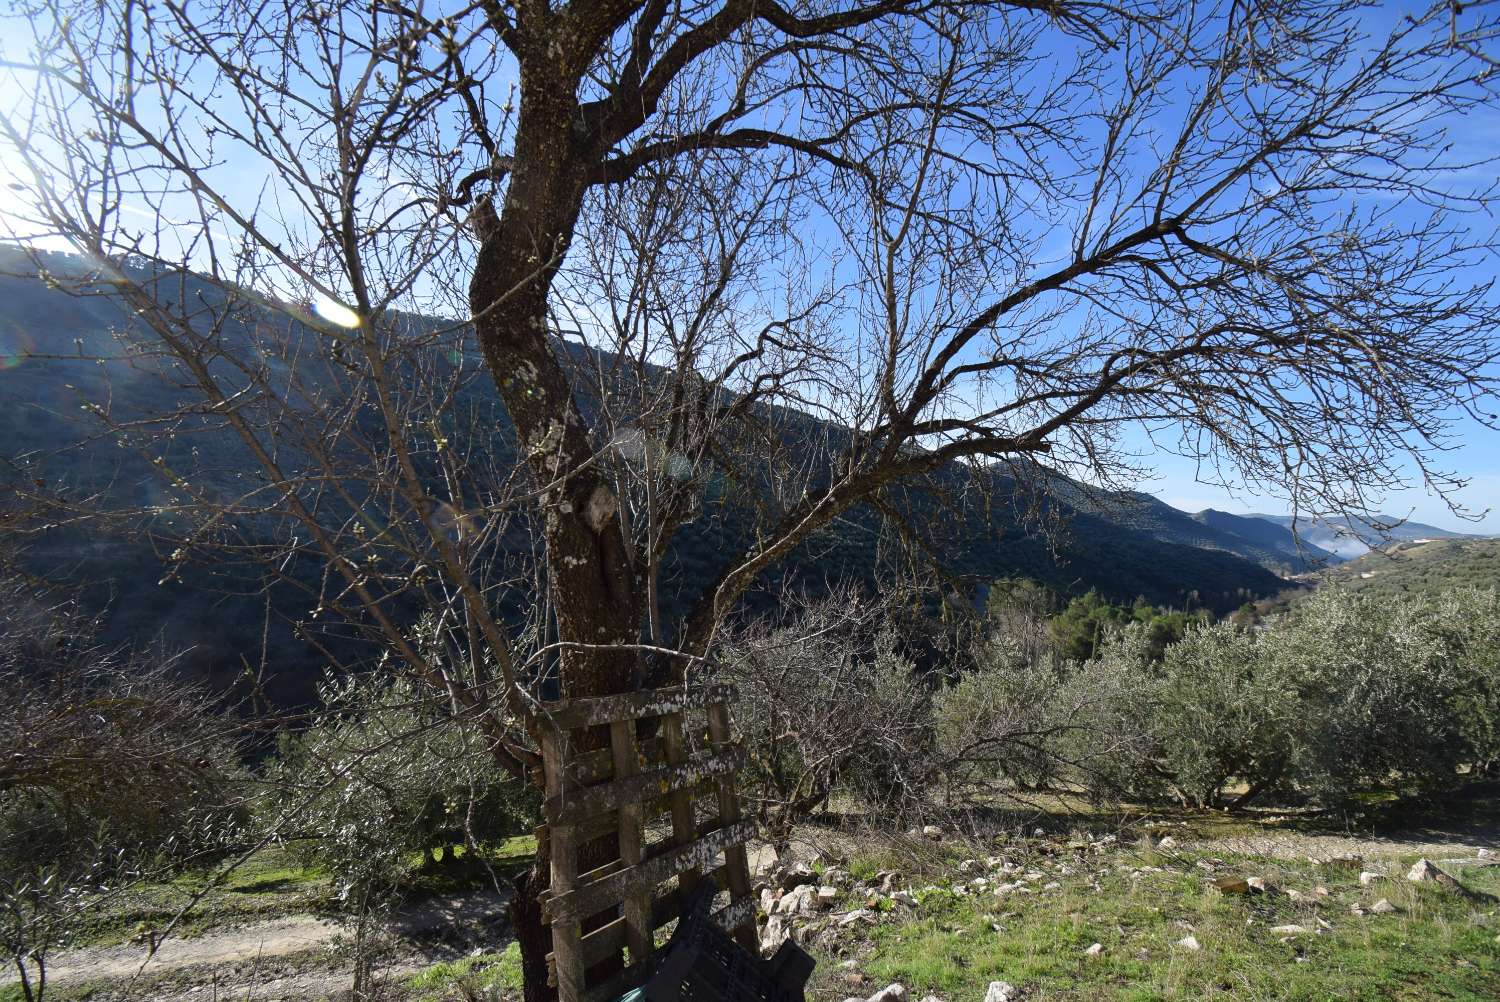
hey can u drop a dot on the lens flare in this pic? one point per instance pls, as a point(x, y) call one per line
point(16, 346)
point(335, 312)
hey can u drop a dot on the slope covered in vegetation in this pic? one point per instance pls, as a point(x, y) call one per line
point(1422, 567)
point(65, 360)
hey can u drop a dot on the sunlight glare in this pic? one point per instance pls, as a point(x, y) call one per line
point(335, 312)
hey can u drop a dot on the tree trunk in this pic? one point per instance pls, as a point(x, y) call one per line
point(534, 938)
point(597, 593)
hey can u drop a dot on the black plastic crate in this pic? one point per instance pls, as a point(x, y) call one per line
point(701, 963)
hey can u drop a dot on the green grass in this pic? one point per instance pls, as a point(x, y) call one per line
point(278, 881)
point(483, 973)
point(1438, 946)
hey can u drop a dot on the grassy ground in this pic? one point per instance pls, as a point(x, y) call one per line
point(276, 881)
point(1134, 898)
point(1138, 905)
point(486, 975)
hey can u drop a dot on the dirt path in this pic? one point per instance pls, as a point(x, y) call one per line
point(262, 946)
point(1455, 838)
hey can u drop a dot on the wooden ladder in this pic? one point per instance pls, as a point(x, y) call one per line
point(624, 789)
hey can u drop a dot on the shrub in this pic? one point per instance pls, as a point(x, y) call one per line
point(1467, 621)
point(1223, 710)
point(827, 701)
point(1344, 696)
point(108, 755)
point(1015, 719)
point(113, 770)
point(1375, 687)
point(385, 772)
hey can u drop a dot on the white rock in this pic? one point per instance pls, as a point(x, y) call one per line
point(1000, 991)
point(1288, 930)
point(904, 898)
point(1051, 886)
point(858, 915)
point(797, 875)
point(1094, 950)
point(799, 901)
point(931, 998)
point(1189, 943)
point(1422, 870)
point(932, 832)
point(1368, 877)
point(1382, 907)
point(1485, 853)
point(967, 865)
point(890, 993)
point(776, 932)
point(826, 896)
point(1167, 843)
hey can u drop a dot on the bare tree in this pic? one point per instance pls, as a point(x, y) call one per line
point(960, 231)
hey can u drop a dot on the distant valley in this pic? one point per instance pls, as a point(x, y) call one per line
point(1346, 538)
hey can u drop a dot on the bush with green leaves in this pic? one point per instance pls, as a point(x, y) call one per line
point(1375, 685)
point(1019, 719)
point(1467, 620)
point(1345, 696)
point(1222, 710)
point(387, 771)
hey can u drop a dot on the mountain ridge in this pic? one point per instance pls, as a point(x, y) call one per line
point(1125, 546)
point(1345, 536)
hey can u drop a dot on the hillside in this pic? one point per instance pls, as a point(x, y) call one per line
point(1264, 535)
point(1345, 537)
point(1421, 566)
point(1124, 546)
point(1253, 539)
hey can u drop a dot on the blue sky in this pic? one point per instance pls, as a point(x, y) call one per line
point(1474, 450)
point(1476, 456)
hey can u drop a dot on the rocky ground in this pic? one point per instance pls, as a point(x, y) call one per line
point(1168, 912)
point(1154, 909)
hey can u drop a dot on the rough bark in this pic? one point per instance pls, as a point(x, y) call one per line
point(596, 593)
